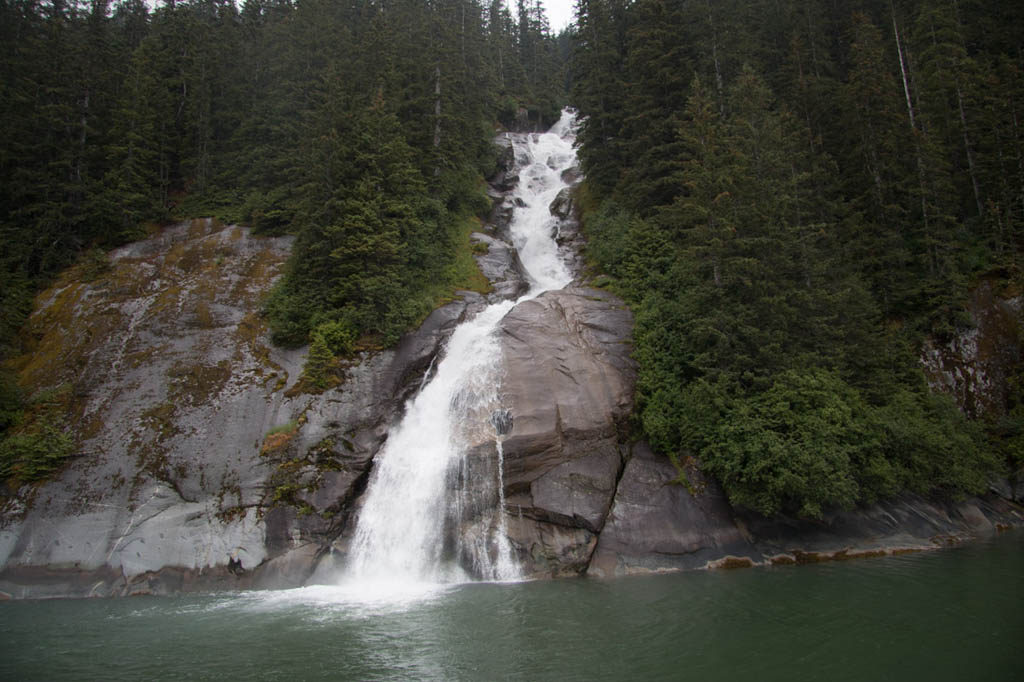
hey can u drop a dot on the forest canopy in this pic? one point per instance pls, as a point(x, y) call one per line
point(793, 196)
point(364, 128)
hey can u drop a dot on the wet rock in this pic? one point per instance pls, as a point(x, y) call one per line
point(562, 204)
point(571, 243)
point(502, 421)
point(1003, 488)
point(524, 123)
point(505, 181)
point(907, 522)
point(500, 219)
point(500, 264)
point(568, 379)
point(571, 176)
point(506, 159)
point(287, 569)
point(549, 549)
point(660, 522)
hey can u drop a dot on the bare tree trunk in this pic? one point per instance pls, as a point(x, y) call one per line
point(932, 256)
point(903, 69)
point(714, 56)
point(501, 68)
point(810, 40)
point(1020, 154)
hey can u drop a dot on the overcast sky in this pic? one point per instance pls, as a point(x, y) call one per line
point(559, 13)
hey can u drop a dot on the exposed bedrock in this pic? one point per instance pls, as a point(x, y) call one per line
point(977, 366)
point(662, 521)
point(567, 382)
point(499, 262)
point(659, 522)
point(176, 391)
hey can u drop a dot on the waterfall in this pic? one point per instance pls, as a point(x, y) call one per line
point(435, 499)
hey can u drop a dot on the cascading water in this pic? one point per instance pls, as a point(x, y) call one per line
point(434, 498)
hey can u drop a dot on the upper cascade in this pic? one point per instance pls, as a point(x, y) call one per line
point(541, 159)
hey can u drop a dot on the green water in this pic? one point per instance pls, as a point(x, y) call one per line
point(956, 614)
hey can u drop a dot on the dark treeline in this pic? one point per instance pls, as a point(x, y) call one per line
point(793, 195)
point(361, 126)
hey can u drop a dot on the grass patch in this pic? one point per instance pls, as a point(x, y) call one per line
point(463, 273)
point(289, 428)
point(279, 438)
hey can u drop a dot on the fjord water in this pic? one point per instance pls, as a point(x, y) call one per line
point(424, 509)
point(953, 614)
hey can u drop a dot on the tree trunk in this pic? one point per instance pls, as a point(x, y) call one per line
point(903, 69)
point(718, 69)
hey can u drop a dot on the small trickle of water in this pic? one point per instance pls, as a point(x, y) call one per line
point(435, 500)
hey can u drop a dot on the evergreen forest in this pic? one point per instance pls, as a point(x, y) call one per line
point(794, 197)
point(362, 127)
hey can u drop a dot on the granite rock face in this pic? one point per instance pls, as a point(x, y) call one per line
point(568, 384)
point(174, 386)
point(976, 366)
point(660, 522)
point(175, 389)
point(562, 206)
point(500, 264)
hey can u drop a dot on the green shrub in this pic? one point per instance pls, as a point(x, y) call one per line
point(34, 455)
point(36, 445)
point(337, 335)
point(798, 446)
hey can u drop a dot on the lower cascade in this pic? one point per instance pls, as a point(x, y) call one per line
point(434, 509)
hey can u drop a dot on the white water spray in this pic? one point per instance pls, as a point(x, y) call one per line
point(436, 492)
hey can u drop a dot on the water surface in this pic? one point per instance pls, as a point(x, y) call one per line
point(954, 614)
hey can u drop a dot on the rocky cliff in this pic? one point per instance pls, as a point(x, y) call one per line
point(977, 366)
point(202, 464)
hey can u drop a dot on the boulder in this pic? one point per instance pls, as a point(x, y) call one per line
point(571, 245)
point(562, 204)
point(506, 160)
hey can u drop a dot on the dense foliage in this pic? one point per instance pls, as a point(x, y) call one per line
point(38, 442)
point(793, 196)
point(362, 127)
